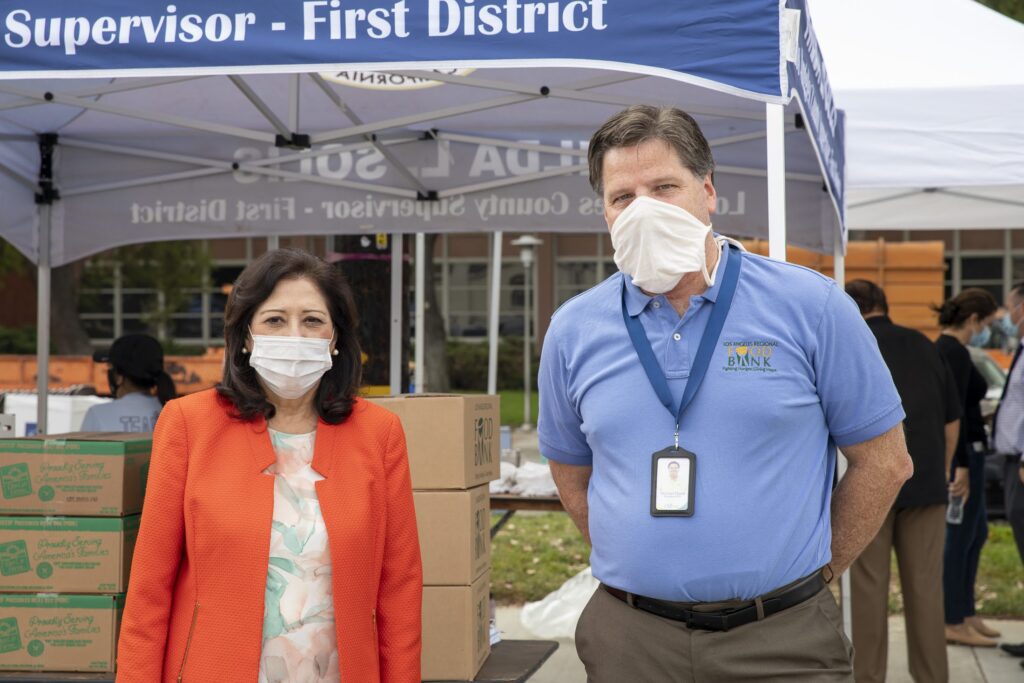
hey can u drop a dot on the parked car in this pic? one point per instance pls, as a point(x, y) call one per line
point(994, 462)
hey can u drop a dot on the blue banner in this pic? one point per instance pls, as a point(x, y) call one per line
point(732, 43)
point(809, 80)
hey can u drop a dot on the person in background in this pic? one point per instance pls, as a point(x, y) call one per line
point(1008, 432)
point(965, 320)
point(915, 526)
point(138, 383)
point(278, 540)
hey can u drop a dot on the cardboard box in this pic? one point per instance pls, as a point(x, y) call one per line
point(59, 632)
point(88, 474)
point(456, 630)
point(66, 554)
point(453, 440)
point(455, 535)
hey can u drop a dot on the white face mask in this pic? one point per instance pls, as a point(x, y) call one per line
point(290, 366)
point(657, 243)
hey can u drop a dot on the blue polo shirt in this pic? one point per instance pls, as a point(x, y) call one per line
point(795, 373)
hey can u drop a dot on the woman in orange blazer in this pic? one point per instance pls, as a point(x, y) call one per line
point(278, 538)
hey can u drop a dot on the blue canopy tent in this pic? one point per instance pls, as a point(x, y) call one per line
point(259, 118)
point(216, 118)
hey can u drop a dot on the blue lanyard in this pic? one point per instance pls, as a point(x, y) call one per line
point(705, 350)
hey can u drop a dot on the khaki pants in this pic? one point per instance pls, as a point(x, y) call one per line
point(618, 643)
point(918, 535)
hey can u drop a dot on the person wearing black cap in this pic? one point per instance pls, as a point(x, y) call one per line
point(136, 370)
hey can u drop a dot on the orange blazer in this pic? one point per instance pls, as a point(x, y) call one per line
point(194, 610)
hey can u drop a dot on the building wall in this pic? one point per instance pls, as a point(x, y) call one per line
point(566, 264)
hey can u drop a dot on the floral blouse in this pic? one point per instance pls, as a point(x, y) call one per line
point(299, 643)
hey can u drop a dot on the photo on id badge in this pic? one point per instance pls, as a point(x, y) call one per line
point(672, 478)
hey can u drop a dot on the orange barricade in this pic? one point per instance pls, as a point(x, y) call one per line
point(190, 373)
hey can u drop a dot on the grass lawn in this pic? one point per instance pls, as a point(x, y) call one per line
point(512, 407)
point(1000, 586)
point(536, 553)
point(533, 555)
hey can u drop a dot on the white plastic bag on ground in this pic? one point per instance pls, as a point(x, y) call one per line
point(555, 615)
point(534, 480)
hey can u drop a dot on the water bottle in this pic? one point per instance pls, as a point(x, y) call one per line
point(955, 510)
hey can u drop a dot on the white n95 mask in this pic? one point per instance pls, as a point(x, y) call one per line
point(657, 243)
point(290, 366)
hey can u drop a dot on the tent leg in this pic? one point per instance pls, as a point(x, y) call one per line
point(839, 275)
point(493, 313)
point(421, 317)
point(395, 371)
point(273, 242)
point(775, 121)
point(839, 263)
point(43, 319)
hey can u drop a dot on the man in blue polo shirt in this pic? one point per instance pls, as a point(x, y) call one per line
point(745, 372)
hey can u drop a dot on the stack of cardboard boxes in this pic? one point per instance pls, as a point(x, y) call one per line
point(454, 453)
point(69, 516)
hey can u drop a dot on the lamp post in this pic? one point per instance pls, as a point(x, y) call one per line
point(526, 245)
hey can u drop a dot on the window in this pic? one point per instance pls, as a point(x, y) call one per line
point(574, 276)
point(467, 297)
point(985, 272)
point(111, 306)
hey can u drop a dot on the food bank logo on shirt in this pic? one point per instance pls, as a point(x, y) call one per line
point(749, 356)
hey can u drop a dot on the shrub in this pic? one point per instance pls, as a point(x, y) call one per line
point(467, 365)
point(21, 340)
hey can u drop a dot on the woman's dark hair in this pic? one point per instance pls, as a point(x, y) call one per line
point(139, 358)
point(973, 301)
point(165, 387)
point(336, 394)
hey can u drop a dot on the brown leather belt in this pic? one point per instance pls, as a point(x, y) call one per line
point(696, 615)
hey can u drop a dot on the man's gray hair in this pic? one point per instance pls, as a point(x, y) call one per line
point(643, 122)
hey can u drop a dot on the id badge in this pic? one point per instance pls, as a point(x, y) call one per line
point(673, 475)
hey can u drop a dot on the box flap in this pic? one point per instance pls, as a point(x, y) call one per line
point(68, 523)
point(61, 601)
point(84, 443)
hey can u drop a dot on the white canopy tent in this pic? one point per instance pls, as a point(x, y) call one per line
point(934, 95)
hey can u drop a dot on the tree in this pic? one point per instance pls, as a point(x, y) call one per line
point(435, 354)
point(1011, 8)
point(171, 269)
point(67, 336)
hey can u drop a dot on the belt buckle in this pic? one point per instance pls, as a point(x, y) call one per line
point(707, 621)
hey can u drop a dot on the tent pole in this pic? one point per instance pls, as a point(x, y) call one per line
point(845, 600)
point(43, 319)
point(45, 196)
point(421, 317)
point(493, 313)
point(273, 242)
point(775, 121)
point(395, 371)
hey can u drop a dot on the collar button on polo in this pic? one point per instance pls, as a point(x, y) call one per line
point(677, 336)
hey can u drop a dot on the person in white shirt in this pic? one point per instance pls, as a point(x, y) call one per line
point(138, 382)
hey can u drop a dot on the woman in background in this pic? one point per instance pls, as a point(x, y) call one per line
point(135, 374)
point(965, 320)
